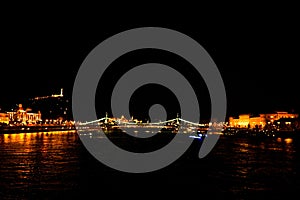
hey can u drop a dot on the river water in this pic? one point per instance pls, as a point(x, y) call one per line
point(56, 165)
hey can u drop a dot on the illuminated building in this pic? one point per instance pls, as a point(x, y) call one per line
point(24, 117)
point(287, 124)
point(260, 121)
point(247, 121)
point(4, 118)
point(278, 115)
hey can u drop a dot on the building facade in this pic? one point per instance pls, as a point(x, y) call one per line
point(24, 117)
point(260, 121)
point(4, 118)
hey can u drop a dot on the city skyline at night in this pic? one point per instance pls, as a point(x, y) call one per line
point(30, 103)
point(66, 134)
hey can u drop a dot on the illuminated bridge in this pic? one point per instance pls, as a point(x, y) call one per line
point(122, 123)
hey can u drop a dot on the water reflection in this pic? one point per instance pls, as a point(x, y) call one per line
point(37, 162)
point(35, 165)
point(288, 140)
point(252, 164)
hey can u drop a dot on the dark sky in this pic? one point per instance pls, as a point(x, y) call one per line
point(258, 57)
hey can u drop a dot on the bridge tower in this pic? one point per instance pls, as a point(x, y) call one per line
point(106, 118)
point(177, 118)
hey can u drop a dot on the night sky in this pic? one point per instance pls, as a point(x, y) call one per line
point(258, 58)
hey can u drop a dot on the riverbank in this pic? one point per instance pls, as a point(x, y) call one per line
point(29, 129)
point(261, 133)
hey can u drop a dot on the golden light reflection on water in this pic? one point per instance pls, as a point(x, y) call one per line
point(286, 140)
point(52, 161)
point(27, 137)
point(40, 157)
point(244, 147)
